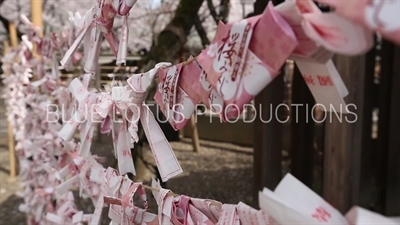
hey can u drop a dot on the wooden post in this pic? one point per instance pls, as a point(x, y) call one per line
point(36, 14)
point(248, 113)
point(13, 35)
point(389, 130)
point(348, 141)
point(302, 133)
point(6, 47)
point(195, 135)
point(268, 134)
point(378, 155)
point(37, 20)
point(268, 131)
point(11, 141)
point(11, 148)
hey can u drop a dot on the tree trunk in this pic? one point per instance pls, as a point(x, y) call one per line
point(169, 43)
point(172, 39)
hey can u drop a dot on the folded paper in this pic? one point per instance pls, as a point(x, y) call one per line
point(237, 68)
point(96, 24)
point(379, 16)
point(175, 95)
point(325, 84)
point(292, 202)
point(357, 216)
point(319, 35)
point(165, 158)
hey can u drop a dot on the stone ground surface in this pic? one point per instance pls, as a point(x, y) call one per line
point(223, 172)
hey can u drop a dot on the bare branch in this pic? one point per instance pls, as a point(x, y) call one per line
point(213, 11)
point(200, 30)
point(224, 10)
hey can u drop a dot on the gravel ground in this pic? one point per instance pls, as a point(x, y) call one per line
point(218, 171)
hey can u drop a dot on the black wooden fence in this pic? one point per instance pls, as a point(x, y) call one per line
point(343, 162)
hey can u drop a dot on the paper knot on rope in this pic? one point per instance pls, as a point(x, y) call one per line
point(123, 208)
point(101, 108)
point(112, 104)
point(96, 23)
point(67, 213)
point(377, 16)
point(322, 34)
point(180, 209)
point(81, 117)
point(32, 31)
point(79, 168)
point(165, 158)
